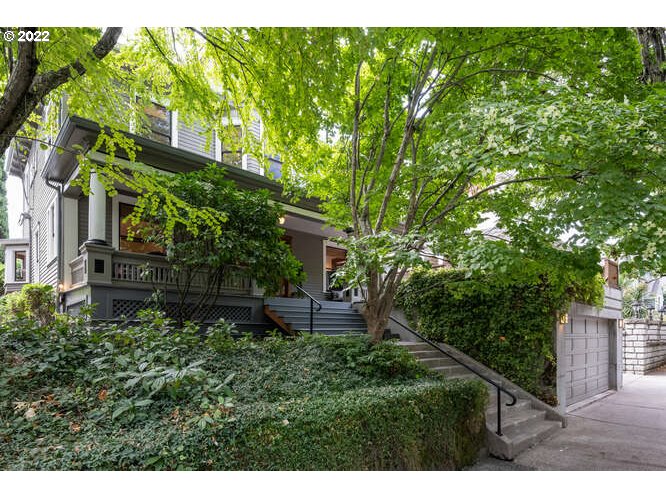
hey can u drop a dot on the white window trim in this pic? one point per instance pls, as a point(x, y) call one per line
point(12, 265)
point(37, 252)
point(174, 128)
point(115, 217)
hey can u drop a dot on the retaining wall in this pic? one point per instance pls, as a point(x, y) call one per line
point(644, 345)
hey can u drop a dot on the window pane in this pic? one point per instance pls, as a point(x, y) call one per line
point(159, 120)
point(137, 244)
point(19, 266)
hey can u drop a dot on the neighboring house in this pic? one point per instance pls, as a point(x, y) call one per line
point(79, 243)
point(654, 293)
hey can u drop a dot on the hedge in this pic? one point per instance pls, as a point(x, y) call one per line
point(426, 426)
point(508, 327)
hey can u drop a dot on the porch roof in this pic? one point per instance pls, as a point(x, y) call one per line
point(77, 130)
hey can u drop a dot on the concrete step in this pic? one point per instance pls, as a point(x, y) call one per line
point(523, 436)
point(522, 426)
point(514, 418)
point(417, 346)
point(437, 362)
point(491, 410)
point(426, 354)
point(456, 372)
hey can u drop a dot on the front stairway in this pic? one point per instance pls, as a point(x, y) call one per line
point(523, 425)
point(335, 317)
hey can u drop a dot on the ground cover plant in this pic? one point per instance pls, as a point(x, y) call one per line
point(153, 396)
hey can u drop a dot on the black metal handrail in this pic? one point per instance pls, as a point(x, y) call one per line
point(313, 300)
point(497, 386)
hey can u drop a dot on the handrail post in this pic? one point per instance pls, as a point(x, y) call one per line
point(311, 312)
point(499, 412)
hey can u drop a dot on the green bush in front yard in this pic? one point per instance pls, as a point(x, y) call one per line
point(152, 396)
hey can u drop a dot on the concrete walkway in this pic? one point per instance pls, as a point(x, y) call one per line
point(623, 431)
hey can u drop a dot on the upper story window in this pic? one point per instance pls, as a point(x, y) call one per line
point(159, 124)
point(20, 269)
point(230, 154)
point(137, 244)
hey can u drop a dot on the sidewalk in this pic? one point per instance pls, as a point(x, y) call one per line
point(623, 431)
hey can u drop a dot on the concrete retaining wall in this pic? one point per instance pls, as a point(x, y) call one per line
point(644, 345)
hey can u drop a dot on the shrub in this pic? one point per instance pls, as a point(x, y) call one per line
point(508, 327)
point(151, 395)
point(35, 301)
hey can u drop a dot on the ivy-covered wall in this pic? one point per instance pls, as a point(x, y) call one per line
point(506, 325)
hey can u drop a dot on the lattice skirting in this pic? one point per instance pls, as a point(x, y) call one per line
point(212, 313)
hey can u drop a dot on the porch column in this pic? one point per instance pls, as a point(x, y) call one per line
point(96, 211)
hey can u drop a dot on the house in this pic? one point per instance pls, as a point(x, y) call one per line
point(79, 243)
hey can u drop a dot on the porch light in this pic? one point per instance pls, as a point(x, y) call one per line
point(564, 318)
point(662, 311)
point(650, 309)
point(281, 220)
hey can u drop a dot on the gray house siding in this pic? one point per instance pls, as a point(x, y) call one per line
point(252, 164)
point(43, 268)
point(194, 139)
point(308, 248)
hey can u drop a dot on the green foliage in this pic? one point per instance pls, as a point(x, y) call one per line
point(245, 241)
point(154, 396)
point(34, 301)
point(430, 130)
point(506, 325)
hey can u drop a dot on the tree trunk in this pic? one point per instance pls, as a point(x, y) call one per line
point(652, 42)
point(26, 87)
point(378, 307)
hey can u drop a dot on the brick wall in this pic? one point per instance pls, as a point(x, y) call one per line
point(644, 345)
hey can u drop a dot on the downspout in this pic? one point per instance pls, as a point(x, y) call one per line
point(59, 248)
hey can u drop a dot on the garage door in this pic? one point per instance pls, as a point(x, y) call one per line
point(587, 349)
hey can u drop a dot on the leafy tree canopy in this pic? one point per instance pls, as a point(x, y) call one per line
point(412, 136)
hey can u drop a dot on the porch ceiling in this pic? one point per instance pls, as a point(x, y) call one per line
point(309, 226)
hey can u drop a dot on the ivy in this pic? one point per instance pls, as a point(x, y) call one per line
point(76, 395)
point(506, 324)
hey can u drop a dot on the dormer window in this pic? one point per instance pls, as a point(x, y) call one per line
point(159, 124)
point(231, 154)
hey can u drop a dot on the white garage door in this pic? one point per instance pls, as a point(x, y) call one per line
point(588, 355)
